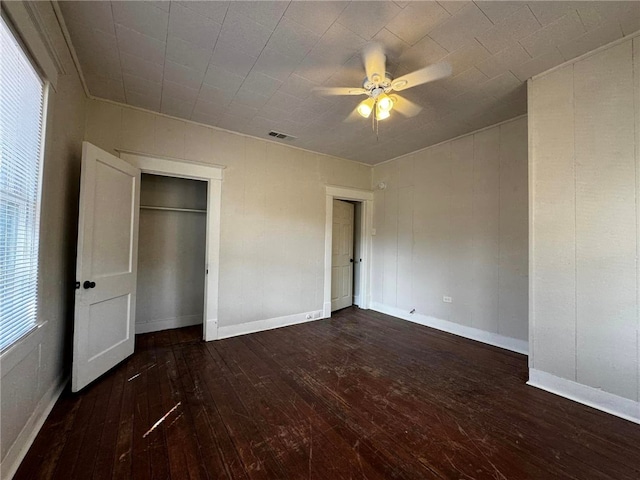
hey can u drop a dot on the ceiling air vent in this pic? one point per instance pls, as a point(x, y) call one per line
point(281, 136)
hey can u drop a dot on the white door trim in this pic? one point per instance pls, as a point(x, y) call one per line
point(212, 174)
point(366, 198)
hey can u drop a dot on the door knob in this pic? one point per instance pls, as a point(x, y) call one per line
point(88, 284)
point(351, 260)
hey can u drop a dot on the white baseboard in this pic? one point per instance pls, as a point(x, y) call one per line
point(25, 439)
point(592, 397)
point(168, 323)
point(227, 331)
point(495, 339)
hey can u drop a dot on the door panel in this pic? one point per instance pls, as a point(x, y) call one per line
point(107, 255)
point(112, 249)
point(342, 255)
point(101, 340)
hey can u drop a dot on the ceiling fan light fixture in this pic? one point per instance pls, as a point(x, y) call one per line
point(385, 103)
point(382, 114)
point(366, 107)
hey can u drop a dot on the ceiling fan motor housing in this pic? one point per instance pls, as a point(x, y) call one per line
point(376, 82)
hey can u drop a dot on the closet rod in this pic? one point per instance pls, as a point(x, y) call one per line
point(173, 209)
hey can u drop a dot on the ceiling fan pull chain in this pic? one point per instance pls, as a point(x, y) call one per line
point(373, 121)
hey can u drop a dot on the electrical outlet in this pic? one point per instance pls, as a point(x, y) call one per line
point(447, 299)
point(373, 231)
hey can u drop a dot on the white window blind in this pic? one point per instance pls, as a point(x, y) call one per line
point(21, 112)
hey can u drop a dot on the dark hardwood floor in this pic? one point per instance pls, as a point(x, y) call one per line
point(362, 395)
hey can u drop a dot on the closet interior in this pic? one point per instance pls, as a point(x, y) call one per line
point(171, 253)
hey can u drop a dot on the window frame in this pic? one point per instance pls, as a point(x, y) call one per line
point(16, 351)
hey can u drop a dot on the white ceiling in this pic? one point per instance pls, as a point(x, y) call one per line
point(251, 67)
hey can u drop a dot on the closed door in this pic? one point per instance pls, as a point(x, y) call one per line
point(106, 265)
point(342, 255)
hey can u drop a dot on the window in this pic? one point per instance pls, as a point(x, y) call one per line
point(22, 96)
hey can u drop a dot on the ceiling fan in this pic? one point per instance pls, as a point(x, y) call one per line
point(379, 85)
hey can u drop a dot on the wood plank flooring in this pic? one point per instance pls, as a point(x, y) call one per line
point(362, 395)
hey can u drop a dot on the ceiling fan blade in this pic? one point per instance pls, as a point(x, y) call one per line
point(405, 107)
point(424, 75)
point(340, 91)
point(353, 116)
point(374, 58)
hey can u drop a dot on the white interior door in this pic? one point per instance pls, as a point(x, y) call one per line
point(342, 255)
point(107, 262)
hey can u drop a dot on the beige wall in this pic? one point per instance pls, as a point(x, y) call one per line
point(34, 368)
point(585, 132)
point(452, 221)
point(273, 201)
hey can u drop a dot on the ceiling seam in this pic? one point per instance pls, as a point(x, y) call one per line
point(581, 20)
point(124, 89)
point(262, 50)
point(210, 58)
point(534, 16)
point(485, 15)
point(164, 64)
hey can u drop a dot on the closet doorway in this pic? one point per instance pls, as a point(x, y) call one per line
point(171, 253)
point(210, 177)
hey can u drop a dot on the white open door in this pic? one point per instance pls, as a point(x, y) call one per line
point(107, 262)
point(342, 255)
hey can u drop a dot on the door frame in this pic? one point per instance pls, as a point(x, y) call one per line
point(212, 174)
point(365, 198)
